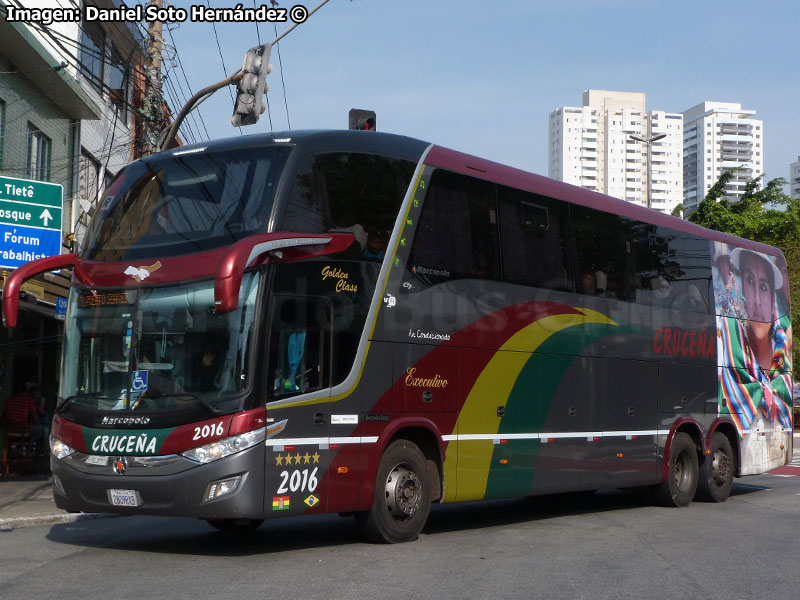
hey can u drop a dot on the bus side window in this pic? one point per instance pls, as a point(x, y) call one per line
point(673, 269)
point(535, 240)
point(602, 253)
point(457, 233)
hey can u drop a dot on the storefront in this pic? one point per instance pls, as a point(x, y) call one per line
point(30, 354)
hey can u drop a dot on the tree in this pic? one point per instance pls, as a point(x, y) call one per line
point(763, 214)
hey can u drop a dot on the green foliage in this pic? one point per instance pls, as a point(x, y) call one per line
point(764, 214)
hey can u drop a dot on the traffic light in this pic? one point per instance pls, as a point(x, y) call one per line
point(252, 87)
point(363, 120)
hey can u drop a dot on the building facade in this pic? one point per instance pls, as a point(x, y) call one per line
point(595, 146)
point(794, 179)
point(718, 137)
point(42, 108)
point(106, 59)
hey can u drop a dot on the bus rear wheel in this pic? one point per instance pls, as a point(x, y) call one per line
point(235, 524)
point(716, 471)
point(682, 473)
point(402, 496)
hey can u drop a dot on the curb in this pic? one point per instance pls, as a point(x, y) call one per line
point(60, 519)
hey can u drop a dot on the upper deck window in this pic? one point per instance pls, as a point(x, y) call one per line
point(185, 202)
point(457, 233)
point(351, 193)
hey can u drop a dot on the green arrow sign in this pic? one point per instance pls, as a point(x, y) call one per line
point(15, 213)
point(30, 203)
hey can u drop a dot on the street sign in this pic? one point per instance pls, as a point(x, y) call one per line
point(30, 220)
point(61, 308)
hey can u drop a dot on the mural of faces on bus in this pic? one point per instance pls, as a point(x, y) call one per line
point(754, 349)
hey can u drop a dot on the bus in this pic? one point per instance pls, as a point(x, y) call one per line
point(364, 323)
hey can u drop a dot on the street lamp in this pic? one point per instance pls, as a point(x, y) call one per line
point(648, 141)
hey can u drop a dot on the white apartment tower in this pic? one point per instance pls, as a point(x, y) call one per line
point(720, 136)
point(593, 146)
point(794, 179)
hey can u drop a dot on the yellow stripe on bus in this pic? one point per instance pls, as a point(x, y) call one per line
point(472, 458)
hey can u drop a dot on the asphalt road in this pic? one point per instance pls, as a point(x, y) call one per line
point(609, 545)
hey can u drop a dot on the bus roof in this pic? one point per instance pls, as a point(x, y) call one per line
point(311, 141)
point(467, 164)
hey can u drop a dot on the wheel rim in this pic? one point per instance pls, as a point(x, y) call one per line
point(720, 467)
point(403, 492)
point(682, 471)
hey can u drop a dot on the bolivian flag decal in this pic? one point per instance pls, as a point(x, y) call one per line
point(311, 501)
point(280, 503)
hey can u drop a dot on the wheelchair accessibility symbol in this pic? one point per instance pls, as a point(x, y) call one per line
point(139, 382)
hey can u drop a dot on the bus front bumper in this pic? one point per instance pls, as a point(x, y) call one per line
point(228, 488)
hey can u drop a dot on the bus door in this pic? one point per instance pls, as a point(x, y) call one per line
point(298, 391)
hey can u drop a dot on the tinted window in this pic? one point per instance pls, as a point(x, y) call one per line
point(348, 192)
point(299, 345)
point(457, 232)
point(673, 269)
point(602, 253)
point(185, 202)
point(534, 236)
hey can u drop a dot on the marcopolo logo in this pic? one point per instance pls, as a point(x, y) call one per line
point(125, 420)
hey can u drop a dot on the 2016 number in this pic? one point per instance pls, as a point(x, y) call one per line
point(298, 481)
point(208, 430)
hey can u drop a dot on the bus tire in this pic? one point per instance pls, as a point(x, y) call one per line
point(716, 471)
point(235, 524)
point(402, 496)
point(682, 473)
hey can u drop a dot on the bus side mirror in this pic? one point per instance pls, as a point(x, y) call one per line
point(22, 274)
point(281, 246)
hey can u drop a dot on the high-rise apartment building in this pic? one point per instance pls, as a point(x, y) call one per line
point(593, 146)
point(794, 179)
point(720, 136)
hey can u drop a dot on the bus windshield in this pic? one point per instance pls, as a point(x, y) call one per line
point(187, 201)
point(156, 349)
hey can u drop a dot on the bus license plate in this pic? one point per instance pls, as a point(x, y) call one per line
point(124, 497)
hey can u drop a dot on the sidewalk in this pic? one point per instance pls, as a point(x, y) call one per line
point(26, 501)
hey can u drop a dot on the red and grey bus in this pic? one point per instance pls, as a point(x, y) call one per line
point(357, 322)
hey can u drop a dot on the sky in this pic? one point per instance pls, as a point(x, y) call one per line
point(483, 77)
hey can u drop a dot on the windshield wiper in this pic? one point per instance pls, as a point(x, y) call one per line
point(206, 404)
point(92, 395)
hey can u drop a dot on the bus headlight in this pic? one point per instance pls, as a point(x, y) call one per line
point(59, 449)
point(222, 448)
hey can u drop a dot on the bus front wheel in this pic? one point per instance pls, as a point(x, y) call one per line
point(682, 473)
point(402, 496)
point(716, 472)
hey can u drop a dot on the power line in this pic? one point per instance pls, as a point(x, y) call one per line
point(224, 70)
point(189, 87)
point(283, 83)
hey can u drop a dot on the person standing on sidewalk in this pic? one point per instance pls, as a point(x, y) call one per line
point(21, 413)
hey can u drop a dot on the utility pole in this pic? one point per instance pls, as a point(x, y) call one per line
point(153, 100)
